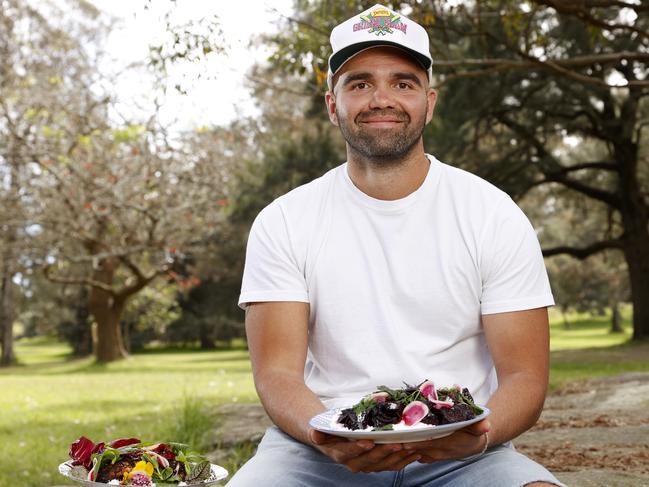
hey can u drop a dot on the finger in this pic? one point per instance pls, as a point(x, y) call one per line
point(393, 462)
point(320, 438)
point(365, 444)
point(376, 456)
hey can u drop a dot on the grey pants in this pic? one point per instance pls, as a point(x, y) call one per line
point(281, 461)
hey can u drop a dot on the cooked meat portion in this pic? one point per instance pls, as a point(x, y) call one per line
point(115, 471)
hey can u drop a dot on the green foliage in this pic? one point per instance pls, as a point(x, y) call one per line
point(192, 422)
point(148, 315)
point(128, 134)
point(239, 454)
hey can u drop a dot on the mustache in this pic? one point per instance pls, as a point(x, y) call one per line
point(383, 113)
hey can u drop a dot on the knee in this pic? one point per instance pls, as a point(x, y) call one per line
point(540, 484)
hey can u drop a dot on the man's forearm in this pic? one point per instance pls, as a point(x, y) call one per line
point(516, 406)
point(289, 402)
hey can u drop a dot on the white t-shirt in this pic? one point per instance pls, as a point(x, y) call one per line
point(396, 288)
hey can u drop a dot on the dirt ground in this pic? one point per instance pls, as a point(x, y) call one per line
point(593, 433)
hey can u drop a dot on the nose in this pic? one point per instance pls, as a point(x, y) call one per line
point(382, 97)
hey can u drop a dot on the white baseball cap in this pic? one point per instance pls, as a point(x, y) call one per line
point(378, 26)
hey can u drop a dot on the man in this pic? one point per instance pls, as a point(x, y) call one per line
point(393, 267)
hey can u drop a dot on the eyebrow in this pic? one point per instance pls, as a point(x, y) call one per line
point(407, 76)
point(363, 76)
point(357, 77)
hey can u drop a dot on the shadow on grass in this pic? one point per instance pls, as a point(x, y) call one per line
point(582, 364)
point(626, 352)
point(100, 369)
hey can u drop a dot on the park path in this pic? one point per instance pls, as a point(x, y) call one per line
point(592, 433)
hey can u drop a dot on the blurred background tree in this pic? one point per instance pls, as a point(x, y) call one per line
point(142, 230)
point(97, 203)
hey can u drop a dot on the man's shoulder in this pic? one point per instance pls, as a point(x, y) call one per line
point(303, 202)
point(461, 179)
point(315, 189)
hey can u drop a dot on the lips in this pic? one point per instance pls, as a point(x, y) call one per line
point(382, 118)
point(381, 121)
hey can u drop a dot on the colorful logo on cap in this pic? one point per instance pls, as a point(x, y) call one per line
point(381, 22)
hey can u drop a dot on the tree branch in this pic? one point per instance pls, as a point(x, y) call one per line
point(603, 165)
point(83, 281)
point(553, 171)
point(127, 291)
point(610, 199)
point(583, 252)
point(573, 62)
point(581, 11)
point(638, 7)
point(557, 65)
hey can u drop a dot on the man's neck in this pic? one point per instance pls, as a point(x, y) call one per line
point(388, 180)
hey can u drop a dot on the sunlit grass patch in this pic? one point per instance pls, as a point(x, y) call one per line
point(583, 330)
point(50, 400)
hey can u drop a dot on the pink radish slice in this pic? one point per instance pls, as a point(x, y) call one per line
point(414, 412)
point(379, 396)
point(427, 390)
point(442, 404)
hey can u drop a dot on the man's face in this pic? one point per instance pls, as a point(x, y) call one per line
point(381, 102)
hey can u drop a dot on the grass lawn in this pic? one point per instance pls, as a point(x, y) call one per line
point(586, 348)
point(49, 400)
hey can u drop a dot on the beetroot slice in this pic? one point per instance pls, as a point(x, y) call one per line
point(414, 412)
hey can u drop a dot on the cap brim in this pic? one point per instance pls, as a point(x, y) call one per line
point(341, 57)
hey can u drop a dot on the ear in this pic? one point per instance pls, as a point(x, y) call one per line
point(330, 100)
point(431, 97)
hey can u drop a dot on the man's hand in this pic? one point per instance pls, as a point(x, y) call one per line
point(461, 444)
point(363, 455)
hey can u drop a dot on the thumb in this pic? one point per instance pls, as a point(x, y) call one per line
point(479, 428)
point(319, 438)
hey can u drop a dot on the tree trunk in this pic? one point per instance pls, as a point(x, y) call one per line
point(110, 346)
point(6, 271)
point(635, 219)
point(616, 322)
point(566, 323)
point(6, 319)
point(637, 259)
point(107, 312)
point(82, 346)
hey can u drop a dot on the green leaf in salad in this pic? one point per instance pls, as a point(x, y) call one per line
point(199, 472)
point(108, 455)
point(363, 406)
point(385, 427)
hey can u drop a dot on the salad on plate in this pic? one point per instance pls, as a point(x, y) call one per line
point(387, 409)
point(130, 461)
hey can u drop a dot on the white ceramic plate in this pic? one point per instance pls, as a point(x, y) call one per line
point(66, 469)
point(325, 422)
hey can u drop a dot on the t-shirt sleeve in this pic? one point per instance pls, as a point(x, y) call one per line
point(514, 277)
point(271, 272)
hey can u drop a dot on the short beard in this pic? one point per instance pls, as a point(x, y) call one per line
point(387, 149)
